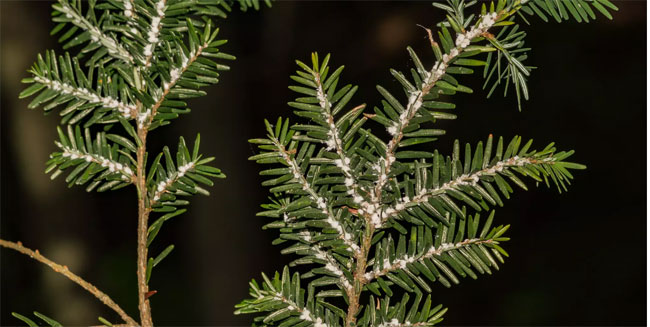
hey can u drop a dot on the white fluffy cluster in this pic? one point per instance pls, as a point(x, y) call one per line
point(154, 31)
point(305, 315)
point(499, 166)
point(464, 39)
point(305, 236)
point(176, 73)
point(392, 130)
point(111, 45)
point(488, 20)
point(379, 215)
point(108, 102)
point(465, 179)
point(321, 202)
point(332, 265)
point(400, 263)
point(330, 142)
point(143, 118)
point(322, 98)
point(96, 35)
point(334, 142)
point(344, 164)
point(347, 238)
point(319, 323)
point(414, 104)
point(128, 9)
point(333, 268)
point(163, 185)
point(394, 323)
point(383, 165)
point(371, 209)
point(112, 166)
point(148, 50)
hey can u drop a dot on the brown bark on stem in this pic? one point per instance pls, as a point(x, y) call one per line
point(359, 275)
point(143, 217)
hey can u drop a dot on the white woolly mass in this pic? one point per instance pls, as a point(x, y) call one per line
point(128, 9)
point(175, 74)
point(319, 323)
point(334, 142)
point(305, 236)
point(392, 130)
point(154, 32)
point(113, 166)
point(465, 179)
point(95, 33)
point(322, 98)
point(305, 315)
point(395, 323)
point(486, 21)
point(321, 202)
point(401, 262)
point(463, 40)
point(107, 102)
point(143, 118)
point(331, 144)
point(163, 185)
point(332, 265)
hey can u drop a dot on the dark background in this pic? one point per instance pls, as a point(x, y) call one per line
point(576, 258)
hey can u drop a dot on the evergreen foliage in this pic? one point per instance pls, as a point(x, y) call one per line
point(131, 68)
point(373, 219)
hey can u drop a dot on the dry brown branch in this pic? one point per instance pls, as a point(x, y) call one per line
point(63, 270)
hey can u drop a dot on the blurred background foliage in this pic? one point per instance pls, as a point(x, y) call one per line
point(576, 259)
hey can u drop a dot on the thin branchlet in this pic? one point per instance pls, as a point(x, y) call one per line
point(64, 271)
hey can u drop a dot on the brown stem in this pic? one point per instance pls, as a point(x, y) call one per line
point(63, 270)
point(143, 217)
point(359, 275)
point(144, 208)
